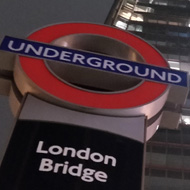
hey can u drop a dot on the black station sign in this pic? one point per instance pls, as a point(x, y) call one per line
point(45, 155)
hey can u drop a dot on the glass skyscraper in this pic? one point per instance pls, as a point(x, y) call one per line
point(168, 160)
point(165, 24)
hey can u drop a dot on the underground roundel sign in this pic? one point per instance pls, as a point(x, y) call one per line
point(87, 88)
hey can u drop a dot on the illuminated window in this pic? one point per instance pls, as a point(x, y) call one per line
point(131, 27)
point(139, 8)
point(139, 28)
point(121, 24)
point(126, 15)
point(173, 23)
point(162, 22)
point(129, 6)
point(174, 64)
point(188, 23)
point(136, 17)
point(160, 2)
point(186, 119)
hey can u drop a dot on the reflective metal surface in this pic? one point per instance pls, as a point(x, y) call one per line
point(92, 79)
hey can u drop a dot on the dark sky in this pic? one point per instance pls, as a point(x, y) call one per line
point(18, 18)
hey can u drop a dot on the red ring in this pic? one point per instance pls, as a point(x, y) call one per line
point(40, 75)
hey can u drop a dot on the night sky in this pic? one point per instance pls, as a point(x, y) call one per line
point(19, 18)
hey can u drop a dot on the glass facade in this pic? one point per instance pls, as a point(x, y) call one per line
point(168, 160)
point(165, 24)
